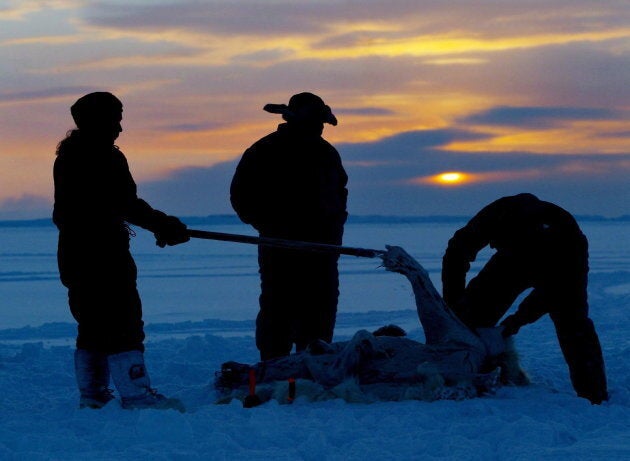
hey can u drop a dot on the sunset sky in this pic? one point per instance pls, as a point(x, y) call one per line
point(443, 106)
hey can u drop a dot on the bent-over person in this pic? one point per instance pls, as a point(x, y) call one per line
point(538, 245)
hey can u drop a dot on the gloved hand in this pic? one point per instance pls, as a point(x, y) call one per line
point(171, 231)
point(510, 326)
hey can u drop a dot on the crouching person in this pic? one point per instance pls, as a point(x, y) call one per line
point(95, 198)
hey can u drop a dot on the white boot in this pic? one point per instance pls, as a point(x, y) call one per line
point(132, 381)
point(92, 373)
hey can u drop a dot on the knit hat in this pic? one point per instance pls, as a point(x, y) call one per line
point(94, 108)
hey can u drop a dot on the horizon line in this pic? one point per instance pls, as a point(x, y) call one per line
point(352, 219)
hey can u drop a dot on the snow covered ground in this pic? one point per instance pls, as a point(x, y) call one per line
point(200, 300)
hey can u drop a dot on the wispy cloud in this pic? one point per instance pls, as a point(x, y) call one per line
point(541, 117)
point(484, 18)
point(44, 94)
point(365, 111)
point(189, 127)
point(19, 10)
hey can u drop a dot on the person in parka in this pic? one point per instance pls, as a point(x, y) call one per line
point(95, 200)
point(538, 245)
point(291, 185)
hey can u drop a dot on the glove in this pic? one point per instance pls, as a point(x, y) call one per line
point(510, 326)
point(171, 231)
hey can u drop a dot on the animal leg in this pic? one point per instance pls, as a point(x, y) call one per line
point(440, 324)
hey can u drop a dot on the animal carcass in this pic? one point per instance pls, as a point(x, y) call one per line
point(455, 362)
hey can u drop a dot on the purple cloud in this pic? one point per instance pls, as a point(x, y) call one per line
point(540, 117)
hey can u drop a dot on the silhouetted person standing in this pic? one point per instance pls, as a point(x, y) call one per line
point(291, 185)
point(95, 198)
point(538, 245)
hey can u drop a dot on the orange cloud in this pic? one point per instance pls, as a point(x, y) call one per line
point(583, 137)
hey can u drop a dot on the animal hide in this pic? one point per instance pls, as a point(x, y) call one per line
point(455, 363)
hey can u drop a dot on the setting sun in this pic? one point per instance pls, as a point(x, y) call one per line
point(450, 178)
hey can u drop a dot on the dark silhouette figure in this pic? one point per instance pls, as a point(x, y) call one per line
point(95, 198)
point(291, 185)
point(538, 245)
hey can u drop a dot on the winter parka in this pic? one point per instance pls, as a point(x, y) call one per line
point(95, 198)
point(288, 185)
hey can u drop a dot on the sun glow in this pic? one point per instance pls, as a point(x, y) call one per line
point(458, 178)
point(450, 178)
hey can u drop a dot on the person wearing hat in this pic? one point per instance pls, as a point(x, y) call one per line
point(540, 246)
point(95, 200)
point(291, 185)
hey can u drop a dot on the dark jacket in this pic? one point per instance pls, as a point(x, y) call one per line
point(292, 185)
point(95, 196)
point(522, 226)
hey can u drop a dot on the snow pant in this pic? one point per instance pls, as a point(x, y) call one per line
point(559, 285)
point(103, 298)
point(298, 300)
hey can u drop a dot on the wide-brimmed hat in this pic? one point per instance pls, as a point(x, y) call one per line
point(304, 108)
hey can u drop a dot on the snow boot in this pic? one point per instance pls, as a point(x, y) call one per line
point(92, 373)
point(132, 381)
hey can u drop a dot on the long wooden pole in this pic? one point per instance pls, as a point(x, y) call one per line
point(283, 243)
